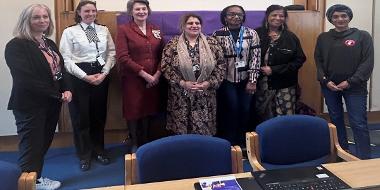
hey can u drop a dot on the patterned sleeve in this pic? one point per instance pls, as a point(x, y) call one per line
point(169, 71)
point(254, 57)
point(218, 74)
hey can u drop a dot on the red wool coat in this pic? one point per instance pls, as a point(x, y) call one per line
point(135, 52)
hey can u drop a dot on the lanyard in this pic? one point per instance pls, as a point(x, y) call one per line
point(96, 43)
point(46, 48)
point(238, 46)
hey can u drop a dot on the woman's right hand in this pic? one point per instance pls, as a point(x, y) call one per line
point(332, 86)
point(90, 79)
point(191, 86)
point(151, 80)
point(266, 70)
point(146, 76)
point(66, 96)
point(156, 79)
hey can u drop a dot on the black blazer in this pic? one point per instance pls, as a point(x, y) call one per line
point(33, 84)
point(285, 58)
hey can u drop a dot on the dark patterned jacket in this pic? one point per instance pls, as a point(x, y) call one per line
point(250, 54)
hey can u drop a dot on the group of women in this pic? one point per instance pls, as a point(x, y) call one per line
point(211, 79)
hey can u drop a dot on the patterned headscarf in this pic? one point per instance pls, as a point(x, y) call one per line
point(338, 8)
point(207, 59)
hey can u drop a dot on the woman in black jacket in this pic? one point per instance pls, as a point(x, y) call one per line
point(40, 85)
point(281, 57)
point(344, 57)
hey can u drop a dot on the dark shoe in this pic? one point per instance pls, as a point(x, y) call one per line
point(85, 165)
point(103, 159)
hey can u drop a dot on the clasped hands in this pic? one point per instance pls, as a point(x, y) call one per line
point(151, 80)
point(95, 79)
point(251, 87)
point(341, 86)
point(194, 86)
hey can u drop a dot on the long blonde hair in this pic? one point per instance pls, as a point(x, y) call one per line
point(23, 28)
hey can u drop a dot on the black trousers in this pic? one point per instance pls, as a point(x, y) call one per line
point(36, 129)
point(88, 111)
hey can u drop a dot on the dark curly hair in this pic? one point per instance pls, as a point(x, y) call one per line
point(223, 14)
point(271, 9)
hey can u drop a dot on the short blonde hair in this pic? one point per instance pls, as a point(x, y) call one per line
point(23, 28)
point(130, 4)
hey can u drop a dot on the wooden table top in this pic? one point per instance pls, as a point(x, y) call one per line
point(356, 174)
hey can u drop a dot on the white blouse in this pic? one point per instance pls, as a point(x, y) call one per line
point(76, 48)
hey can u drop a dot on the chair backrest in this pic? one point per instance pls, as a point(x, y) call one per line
point(183, 156)
point(9, 175)
point(27, 181)
point(288, 141)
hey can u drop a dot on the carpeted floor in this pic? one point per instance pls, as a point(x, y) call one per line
point(374, 126)
point(62, 164)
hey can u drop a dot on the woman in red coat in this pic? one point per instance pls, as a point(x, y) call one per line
point(138, 51)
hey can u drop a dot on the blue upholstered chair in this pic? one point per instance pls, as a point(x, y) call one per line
point(180, 157)
point(294, 141)
point(11, 177)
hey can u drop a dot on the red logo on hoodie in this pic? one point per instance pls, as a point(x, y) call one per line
point(350, 43)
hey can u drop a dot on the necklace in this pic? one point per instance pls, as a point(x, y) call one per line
point(274, 35)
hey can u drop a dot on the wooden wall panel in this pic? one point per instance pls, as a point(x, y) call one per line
point(311, 5)
point(300, 2)
point(307, 25)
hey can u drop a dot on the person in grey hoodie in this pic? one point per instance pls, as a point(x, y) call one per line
point(345, 57)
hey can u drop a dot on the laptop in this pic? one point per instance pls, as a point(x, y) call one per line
point(315, 178)
point(299, 178)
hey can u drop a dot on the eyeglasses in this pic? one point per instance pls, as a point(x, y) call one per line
point(235, 14)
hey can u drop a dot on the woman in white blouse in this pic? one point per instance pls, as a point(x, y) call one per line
point(89, 54)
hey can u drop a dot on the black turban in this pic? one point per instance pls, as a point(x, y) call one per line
point(338, 8)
